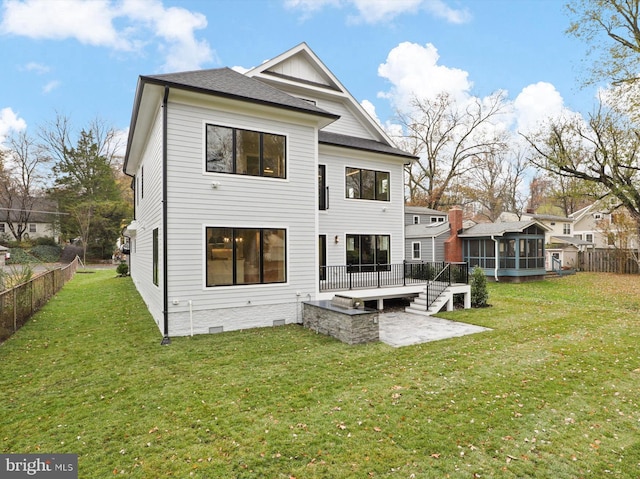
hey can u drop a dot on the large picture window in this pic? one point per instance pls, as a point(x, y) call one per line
point(366, 184)
point(245, 256)
point(245, 152)
point(368, 252)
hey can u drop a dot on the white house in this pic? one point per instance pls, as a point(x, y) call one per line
point(40, 224)
point(599, 224)
point(249, 187)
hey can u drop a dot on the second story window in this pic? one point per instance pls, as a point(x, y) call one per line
point(367, 184)
point(245, 152)
point(323, 189)
point(566, 229)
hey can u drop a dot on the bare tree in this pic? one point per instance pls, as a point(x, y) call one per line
point(22, 182)
point(494, 183)
point(604, 152)
point(56, 138)
point(448, 137)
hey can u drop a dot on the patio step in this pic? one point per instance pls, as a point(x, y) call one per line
point(419, 304)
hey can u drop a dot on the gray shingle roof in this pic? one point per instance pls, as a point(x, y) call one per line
point(425, 231)
point(572, 240)
point(42, 211)
point(549, 217)
point(498, 229)
point(423, 210)
point(228, 83)
point(328, 138)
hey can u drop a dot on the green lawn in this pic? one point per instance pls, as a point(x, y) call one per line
point(553, 391)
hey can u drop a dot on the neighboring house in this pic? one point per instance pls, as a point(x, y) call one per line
point(425, 232)
point(42, 221)
point(506, 251)
point(556, 225)
point(250, 187)
point(596, 224)
point(560, 240)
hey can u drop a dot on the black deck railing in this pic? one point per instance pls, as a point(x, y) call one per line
point(438, 284)
point(347, 277)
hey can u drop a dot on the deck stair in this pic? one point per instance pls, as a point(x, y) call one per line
point(419, 304)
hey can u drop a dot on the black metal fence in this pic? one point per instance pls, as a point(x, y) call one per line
point(18, 304)
point(345, 277)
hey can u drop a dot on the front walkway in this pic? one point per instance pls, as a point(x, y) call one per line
point(398, 328)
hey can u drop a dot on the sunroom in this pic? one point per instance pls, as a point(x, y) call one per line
point(507, 251)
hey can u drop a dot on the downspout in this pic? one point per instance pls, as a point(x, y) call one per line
point(496, 253)
point(165, 256)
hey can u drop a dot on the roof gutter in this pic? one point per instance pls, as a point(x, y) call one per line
point(206, 91)
point(165, 256)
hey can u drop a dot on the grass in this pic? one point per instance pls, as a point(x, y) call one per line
point(552, 391)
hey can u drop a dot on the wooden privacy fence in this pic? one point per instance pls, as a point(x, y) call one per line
point(18, 304)
point(609, 261)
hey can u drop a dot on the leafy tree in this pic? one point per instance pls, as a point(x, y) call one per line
point(604, 152)
point(618, 21)
point(86, 184)
point(448, 137)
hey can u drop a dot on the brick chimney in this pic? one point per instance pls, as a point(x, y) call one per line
point(453, 245)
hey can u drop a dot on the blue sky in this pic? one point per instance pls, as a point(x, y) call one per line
point(83, 58)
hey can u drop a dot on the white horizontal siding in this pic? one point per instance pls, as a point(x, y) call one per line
point(348, 123)
point(239, 201)
point(149, 216)
point(352, 216)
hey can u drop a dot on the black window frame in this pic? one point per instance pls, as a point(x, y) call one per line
point(367, 266)
point(261, 158)
point(155, 258)
point(357, 177)
point(323, 189)
point(235, 233)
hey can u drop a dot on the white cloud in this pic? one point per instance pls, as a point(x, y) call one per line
point(94, 23)
point(413, 71)
point(377, 11)
point(371, 110)
point(374, 11)
point(536, 104)
point(88, 22)
point(240, 69)
point(38, 68)
point(10, 122)
point(49, 87)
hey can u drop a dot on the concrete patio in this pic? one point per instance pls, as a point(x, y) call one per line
point(398, 328)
